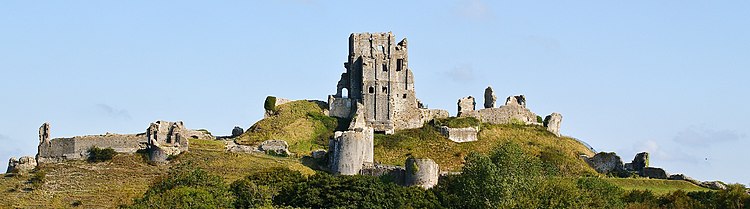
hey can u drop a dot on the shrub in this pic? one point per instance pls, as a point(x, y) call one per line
point(186, 187)
point(270, 103)
point(539, 119)
point(38, 179)
point(249, 195)
point(326, 191)
point(97, 154)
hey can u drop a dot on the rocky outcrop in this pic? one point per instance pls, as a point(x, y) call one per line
point(654, 173)
point(639, 162)
point(606, 163)
point(489, 98)
point(552, 122)
point(717, 185)
point(275, 147)
point(683, 177)
point(237, 131)
point(231, 146)
point(22, 165)
point(460, 134)
point(466, 104)
point(421, 172)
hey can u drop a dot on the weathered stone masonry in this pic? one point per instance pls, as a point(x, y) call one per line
point(162, 139)
point(377, 76)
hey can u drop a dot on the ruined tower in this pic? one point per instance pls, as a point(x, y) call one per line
point(378, 77)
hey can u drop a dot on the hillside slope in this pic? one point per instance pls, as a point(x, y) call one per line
point(535, 140)
point(116, 182)
point(302, 124)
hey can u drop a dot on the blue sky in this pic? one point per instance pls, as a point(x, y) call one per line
point(668, 77)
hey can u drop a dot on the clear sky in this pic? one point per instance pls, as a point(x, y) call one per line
point(668, 77)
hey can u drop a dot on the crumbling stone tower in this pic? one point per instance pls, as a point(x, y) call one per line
point(378, 77)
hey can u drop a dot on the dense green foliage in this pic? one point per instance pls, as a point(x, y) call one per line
point(457, 122)
point(187, 187)
point(97, 154)
point(270, 103)
point(508, 177)
point(327, 191)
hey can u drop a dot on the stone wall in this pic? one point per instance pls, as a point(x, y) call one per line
point(77, 147)
point(466, 105)
point(339, 107)
point(394, 173)
point(503, 115)
point(460, 134)
point(170, 137)
point(166, 139)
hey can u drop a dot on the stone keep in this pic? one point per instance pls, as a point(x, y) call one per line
point(378, 77)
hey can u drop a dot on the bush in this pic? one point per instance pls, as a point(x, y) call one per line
point(100, 155)
point(511, 178)
point(38, 179)
point(326, 191)
point(270, 103)
point(249, 195)
point(186, 187)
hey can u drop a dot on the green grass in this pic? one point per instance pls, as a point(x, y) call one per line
point(658, 186)
point(127, 176)
point(535, 140)
point(454, 122)
point(301, 124)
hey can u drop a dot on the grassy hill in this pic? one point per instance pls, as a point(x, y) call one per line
point(302, 124)
point(112, 183)
point(535, 140)
point(305, 127)
point(658, 186)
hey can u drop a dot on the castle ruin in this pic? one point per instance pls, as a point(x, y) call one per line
point(379, 78)
point(161, 139)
